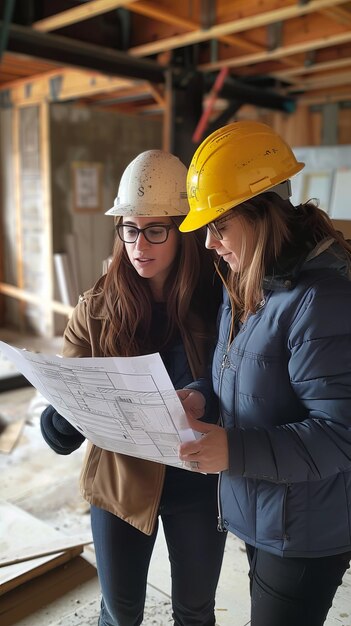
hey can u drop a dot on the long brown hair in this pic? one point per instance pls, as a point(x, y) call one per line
point(129, 300)
point(279, 228)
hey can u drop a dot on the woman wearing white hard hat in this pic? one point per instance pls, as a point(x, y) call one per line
point(154, 298)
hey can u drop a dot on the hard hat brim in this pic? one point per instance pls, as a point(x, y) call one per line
point(196, 220)
point(149, 210)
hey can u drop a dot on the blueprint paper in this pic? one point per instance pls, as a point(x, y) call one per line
point(121, 404)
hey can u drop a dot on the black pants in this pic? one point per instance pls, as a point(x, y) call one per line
point(293, 591)
point(189, 515)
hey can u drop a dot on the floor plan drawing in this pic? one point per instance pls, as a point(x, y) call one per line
point(122, 404)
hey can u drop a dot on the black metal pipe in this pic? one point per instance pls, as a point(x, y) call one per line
point(224, 116)
point(72, 52)
point(234, 89)
point(25, 40)
point(5, 24)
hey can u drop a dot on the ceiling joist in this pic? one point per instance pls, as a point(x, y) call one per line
point(278, 53)
point(338, 14)
point(318, 67)
point(147, 10)
point(86, 11)
point(63, 85)
point(234, 26)
point(291, 48)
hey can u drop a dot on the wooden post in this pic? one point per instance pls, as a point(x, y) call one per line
point(18, 212)
point(167, 130)
point(44, 131)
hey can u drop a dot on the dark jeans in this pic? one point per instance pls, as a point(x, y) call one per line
point(293, 591)
point(189, 515)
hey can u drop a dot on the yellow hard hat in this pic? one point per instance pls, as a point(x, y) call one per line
point(233, 164)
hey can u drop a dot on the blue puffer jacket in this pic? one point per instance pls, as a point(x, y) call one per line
point(285, 394)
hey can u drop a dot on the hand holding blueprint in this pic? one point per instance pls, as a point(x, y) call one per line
point(121, 404)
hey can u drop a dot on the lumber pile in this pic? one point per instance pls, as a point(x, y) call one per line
point(37, 563)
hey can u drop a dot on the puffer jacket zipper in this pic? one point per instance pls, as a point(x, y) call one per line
point(286, 493)
point(225, 363)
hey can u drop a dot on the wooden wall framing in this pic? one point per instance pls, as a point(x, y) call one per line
point(33, 221)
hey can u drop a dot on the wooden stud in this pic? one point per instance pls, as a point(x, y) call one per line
point(77, 14)
point(44, 130)
point(167, 140)
point(18, 212)
point(25, 296)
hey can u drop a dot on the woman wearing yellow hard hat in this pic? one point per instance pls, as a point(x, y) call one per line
point(281, 372)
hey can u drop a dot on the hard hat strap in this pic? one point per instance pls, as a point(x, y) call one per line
point(282, 189)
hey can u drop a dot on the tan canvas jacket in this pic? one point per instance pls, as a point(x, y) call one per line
point(126, 486)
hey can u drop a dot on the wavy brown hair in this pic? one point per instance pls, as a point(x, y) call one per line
point(282, 233)
point(129, 300)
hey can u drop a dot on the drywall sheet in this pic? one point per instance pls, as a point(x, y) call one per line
point(317, 186)
point(326, 177)
point(340, 203)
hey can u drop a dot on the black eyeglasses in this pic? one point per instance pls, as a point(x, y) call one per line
point(157, 233)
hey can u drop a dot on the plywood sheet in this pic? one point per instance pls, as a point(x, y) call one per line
point(21, 531)
point(10, 435)
point(18, 603)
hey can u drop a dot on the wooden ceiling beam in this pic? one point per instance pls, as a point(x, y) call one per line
point(97, 7)
point(253, 53)
point(342, 16)
point(160, 15)
point(65, 84)
point(309, 69)
point(18, 61)
point(318, 82)
point(234, 26)
point(316, 44)
point(123, 95)
point(78, 14)
point(325, 98)
point(157, 94)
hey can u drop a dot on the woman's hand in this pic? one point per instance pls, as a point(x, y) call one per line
point(209, 454)
point(193, 402)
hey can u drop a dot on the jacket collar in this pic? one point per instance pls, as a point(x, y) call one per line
point(95, 300)
point(326, 254)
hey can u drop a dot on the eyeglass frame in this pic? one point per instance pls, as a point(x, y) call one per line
point(213, 228)
point(282, 189)
point(119, 229)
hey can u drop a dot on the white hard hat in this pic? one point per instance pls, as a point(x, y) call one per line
point(154, 183)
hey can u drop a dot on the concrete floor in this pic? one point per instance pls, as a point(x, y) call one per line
point(45, 485)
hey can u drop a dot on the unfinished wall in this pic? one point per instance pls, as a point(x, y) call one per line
point(39, 147)
point(305, 126)
point(8, 213)
point(34, 218)
point(84, 135)
point(26, 225)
